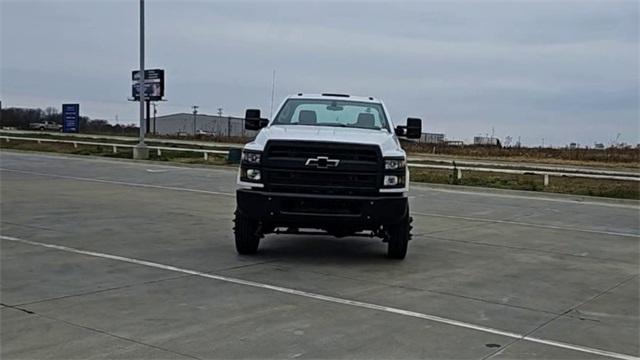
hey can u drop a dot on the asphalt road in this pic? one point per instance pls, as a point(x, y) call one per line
point(117, 259)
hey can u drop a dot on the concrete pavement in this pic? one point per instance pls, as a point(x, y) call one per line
point(560, 269)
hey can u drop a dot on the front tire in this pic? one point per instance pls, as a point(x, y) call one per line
point(398, 238)
point(246, 234)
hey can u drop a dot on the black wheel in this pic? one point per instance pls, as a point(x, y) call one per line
point(398, 240)
point(41, 128)
point(246, 234)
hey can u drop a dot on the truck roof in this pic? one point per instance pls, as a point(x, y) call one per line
point(334, 96)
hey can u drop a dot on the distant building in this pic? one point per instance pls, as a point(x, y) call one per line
point(429, 138)
point(486, 140)
point(599, 146)
point(573, 146)
point(183, 123)
point(454, 143)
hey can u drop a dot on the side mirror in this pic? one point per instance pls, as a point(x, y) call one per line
point(253, 121)
point(414, 128)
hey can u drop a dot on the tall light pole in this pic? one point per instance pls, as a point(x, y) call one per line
point(140, 151)
point(195, 113)
point(228, 121)
point(155, 112)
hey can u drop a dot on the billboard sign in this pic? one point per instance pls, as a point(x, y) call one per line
point(70, 118)
point(153, 84)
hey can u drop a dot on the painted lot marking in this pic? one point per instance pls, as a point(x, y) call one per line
point(121, 183)
point(174, 188)
point(157, 170)
point(121, 161)
point(332, 299)
point(526, 197)
point(542, 226)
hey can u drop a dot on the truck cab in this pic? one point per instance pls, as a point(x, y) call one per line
point(325, 164)
point(46, 125)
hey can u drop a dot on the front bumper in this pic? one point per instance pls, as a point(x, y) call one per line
point(321, 211)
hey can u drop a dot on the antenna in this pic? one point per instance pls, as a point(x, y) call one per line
point(273, 92)
point(615, 142)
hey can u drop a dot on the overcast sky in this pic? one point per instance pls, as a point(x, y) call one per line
point(562, 71)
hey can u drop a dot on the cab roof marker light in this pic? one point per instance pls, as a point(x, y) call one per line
point(336, 95)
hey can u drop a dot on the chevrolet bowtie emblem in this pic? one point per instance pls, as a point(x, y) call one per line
point(322, 162)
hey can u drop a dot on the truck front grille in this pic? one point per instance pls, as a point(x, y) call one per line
point(305, 150)
point(287, 169)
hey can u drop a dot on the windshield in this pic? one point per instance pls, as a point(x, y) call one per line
point(341, 113)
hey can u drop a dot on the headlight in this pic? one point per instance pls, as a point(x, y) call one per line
point(393, 181)
point(251, 175)
point(251, 157)
point(394, 164)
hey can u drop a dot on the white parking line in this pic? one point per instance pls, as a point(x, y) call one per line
point(332, 299)
point(157, 170)
point(121, 183)
point(542, 226)
point(120, 161)
point(488, 193)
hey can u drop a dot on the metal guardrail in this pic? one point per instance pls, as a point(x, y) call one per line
point(526, 166)
point(546, 172)
point(132, 139)
point(114, 146)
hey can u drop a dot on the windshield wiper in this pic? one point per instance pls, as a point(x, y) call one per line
point(331, 124)
point(351, 126)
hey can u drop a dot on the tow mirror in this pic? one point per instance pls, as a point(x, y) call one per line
point(414, 128)
point(253, 121)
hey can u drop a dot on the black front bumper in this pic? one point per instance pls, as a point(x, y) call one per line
point(321, 211)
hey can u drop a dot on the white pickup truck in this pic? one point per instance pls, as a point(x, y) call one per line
point(45, 125)
point(325, 164)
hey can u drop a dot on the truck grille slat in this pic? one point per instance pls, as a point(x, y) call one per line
point(355, 155)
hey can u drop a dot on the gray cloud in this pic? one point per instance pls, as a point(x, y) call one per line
point(565, 71)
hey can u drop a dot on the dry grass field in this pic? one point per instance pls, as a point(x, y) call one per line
point(610, 157)
point(557, 184)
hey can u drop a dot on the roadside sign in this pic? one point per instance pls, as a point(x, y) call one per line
point(153, 84)
point(70, 118)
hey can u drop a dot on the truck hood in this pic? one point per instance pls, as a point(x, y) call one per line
point(388, 143)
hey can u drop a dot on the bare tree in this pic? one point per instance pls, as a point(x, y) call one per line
point(50, 111)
